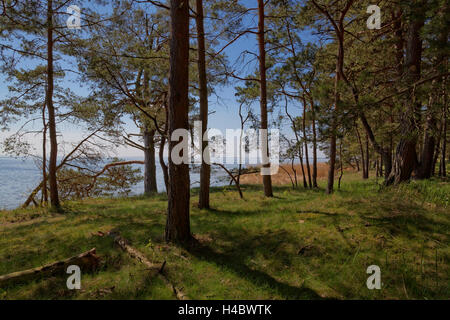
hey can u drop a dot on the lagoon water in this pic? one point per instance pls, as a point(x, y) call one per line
point(18, 177)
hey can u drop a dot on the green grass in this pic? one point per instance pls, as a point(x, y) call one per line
point(300, 245)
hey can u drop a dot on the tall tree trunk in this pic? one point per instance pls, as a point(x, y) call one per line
point(305, 138)
point(44, 158)
point(444, 136)
point(339, 76)
point(300, 156)
point(332, 167)
point(314, 131)
point(267, 179)
point(341, 165)
point(405, 160)
point(178, 224)
point(205, 170)
point(54, 197)
point(150, 186)
point(366, 176)
point(361, 150)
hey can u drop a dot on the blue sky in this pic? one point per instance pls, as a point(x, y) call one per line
point(225, 114)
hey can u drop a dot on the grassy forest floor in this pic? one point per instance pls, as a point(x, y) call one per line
point(302, 244)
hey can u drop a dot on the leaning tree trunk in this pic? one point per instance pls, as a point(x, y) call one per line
point(405, 160)
point(54, 197)
point(150, 186)
point(205, 170)
point(178, 224)
point(267, 179)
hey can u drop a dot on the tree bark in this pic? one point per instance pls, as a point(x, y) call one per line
point(178, 224)
point(150, 186)
point(205, 170)
point(267, 179)
point(54, 197)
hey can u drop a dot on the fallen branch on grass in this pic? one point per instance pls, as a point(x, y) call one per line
point(87, 261)
point(157, 269)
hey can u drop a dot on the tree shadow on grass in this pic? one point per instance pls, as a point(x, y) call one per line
point(241, 212)
point(232, 263)
point(400, 218)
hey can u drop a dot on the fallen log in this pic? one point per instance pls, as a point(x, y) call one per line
point(156, 269)
point(87, 261)
point(132, 252)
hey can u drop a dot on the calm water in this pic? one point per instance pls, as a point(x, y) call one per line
point(19, 177)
